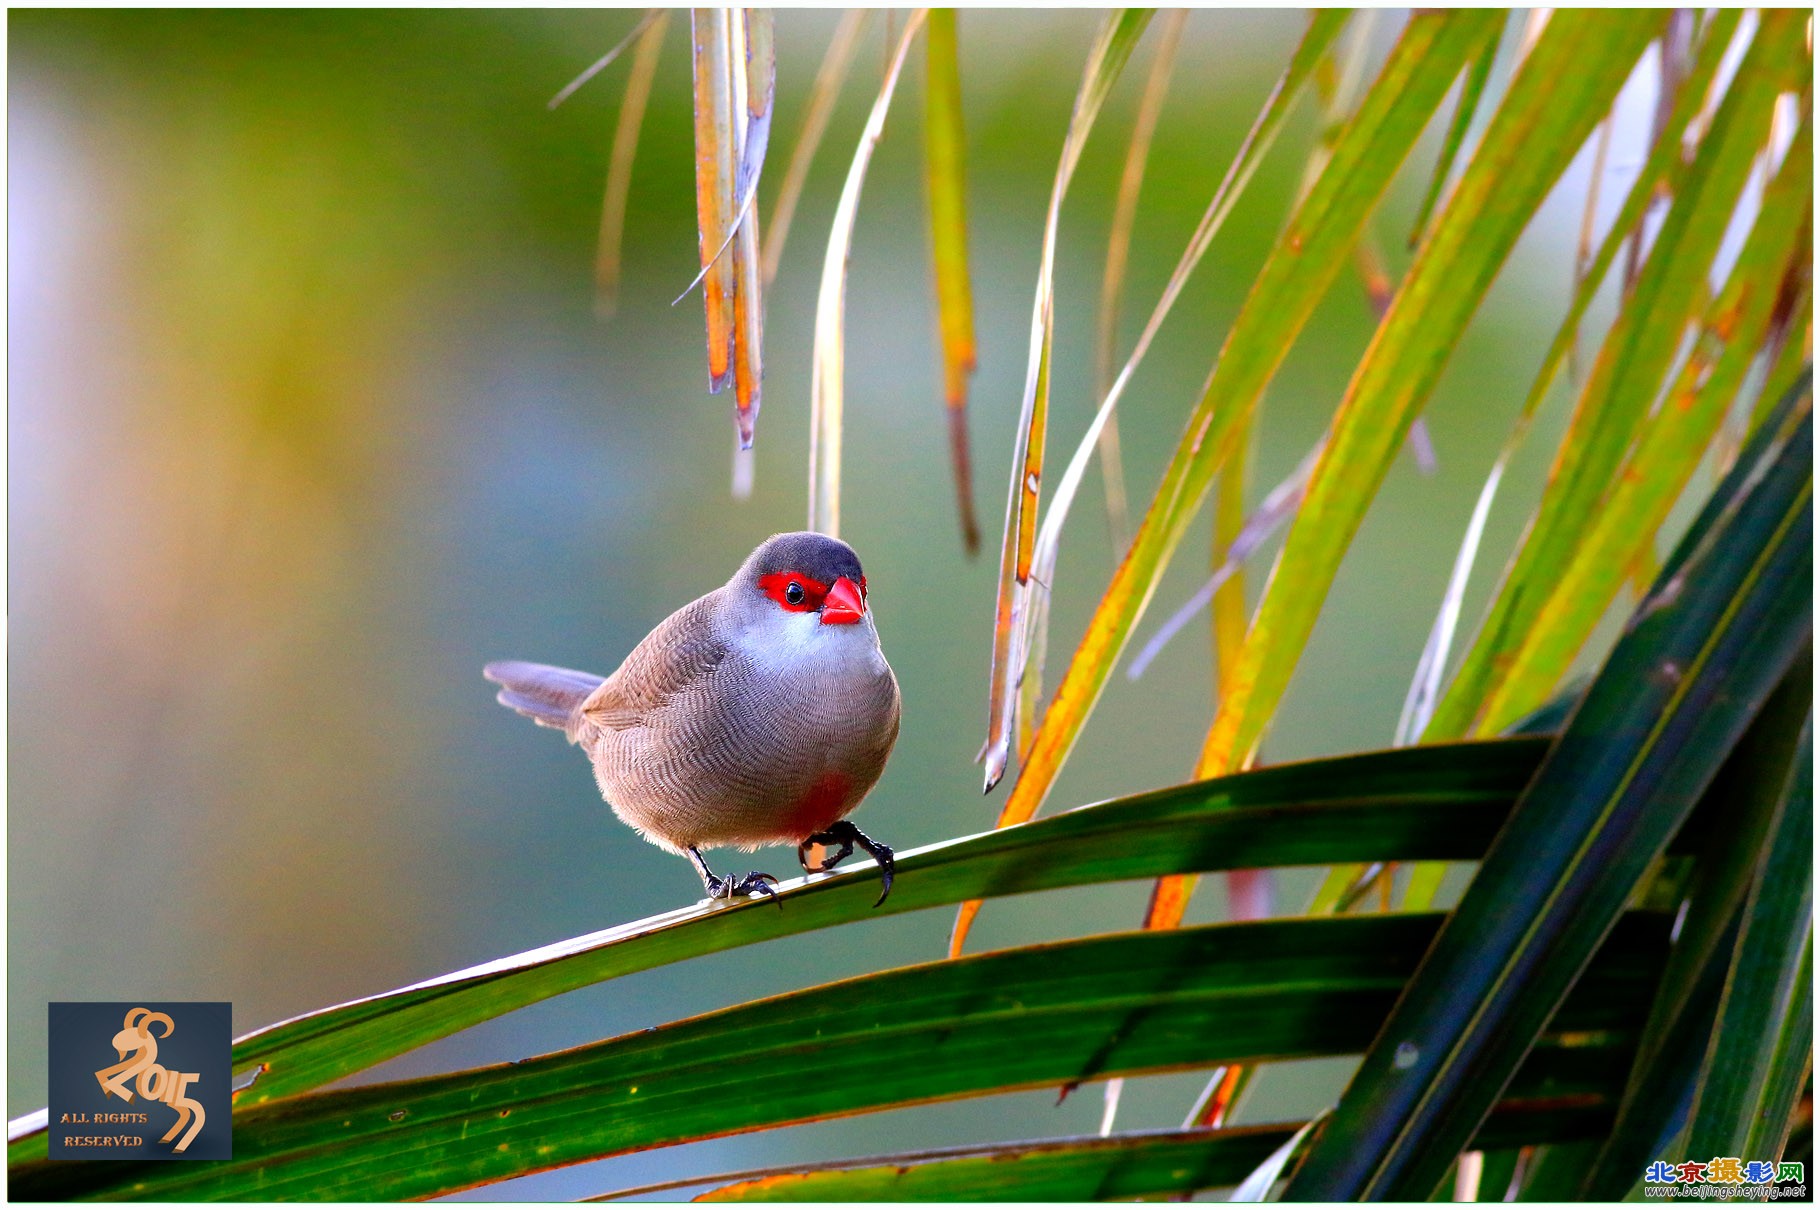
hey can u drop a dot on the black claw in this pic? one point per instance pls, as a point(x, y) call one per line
point(846, 836)
point(887, 868)
point(830, 839)
point(754, 883)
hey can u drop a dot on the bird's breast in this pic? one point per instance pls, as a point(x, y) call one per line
point(778, 742)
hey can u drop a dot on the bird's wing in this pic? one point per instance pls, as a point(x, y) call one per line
point(681, 654)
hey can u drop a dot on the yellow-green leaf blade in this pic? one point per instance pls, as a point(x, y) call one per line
point(1471, 89)
point(1627, 374)
point(1323, 27)
point(1624, 524)
point(1663, 172)
point(945, 164)
point(1556, 99)
point(1297, 275)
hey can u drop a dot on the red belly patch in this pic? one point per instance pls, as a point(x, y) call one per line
point(827, 801)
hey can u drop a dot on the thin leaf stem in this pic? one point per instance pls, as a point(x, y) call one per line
point(829, 77)
point(1118, 254)
point(826, 390)
point(619, 167)
point(599, 65)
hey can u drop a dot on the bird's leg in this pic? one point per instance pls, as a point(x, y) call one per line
point(846, 836)
point(753, 883)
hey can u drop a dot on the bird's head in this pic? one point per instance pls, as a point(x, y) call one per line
point(806, 586)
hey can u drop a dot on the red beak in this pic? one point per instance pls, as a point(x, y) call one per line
point(843, 606)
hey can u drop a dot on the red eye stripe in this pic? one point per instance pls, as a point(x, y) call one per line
point(776, 585)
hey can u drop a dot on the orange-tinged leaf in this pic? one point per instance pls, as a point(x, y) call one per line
point(1298, 274)
point(716, 162)
point(734, 89)
point(1169, 899)
point(755, 74)
point(755, 86)
point(1336, 89)
point(1225, 1097)
point(963, 924)
point(1304, 265)
point(1027, 670)
point(1111, 49)
point(748, 325)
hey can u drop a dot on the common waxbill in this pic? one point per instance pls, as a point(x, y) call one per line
point(758, 714)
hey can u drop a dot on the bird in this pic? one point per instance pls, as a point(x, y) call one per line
point(759, 713)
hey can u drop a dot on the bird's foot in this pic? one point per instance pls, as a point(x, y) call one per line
point(730, 887)
point(753, 883)
point(829, 861)
point(846, 836)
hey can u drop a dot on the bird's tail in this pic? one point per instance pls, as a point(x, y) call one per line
point(547, 696)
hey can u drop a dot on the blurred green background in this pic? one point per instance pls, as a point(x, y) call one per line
point(311, 416)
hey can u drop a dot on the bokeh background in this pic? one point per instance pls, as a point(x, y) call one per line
point(311, 416)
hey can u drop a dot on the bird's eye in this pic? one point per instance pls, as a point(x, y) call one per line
point(793, 590)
